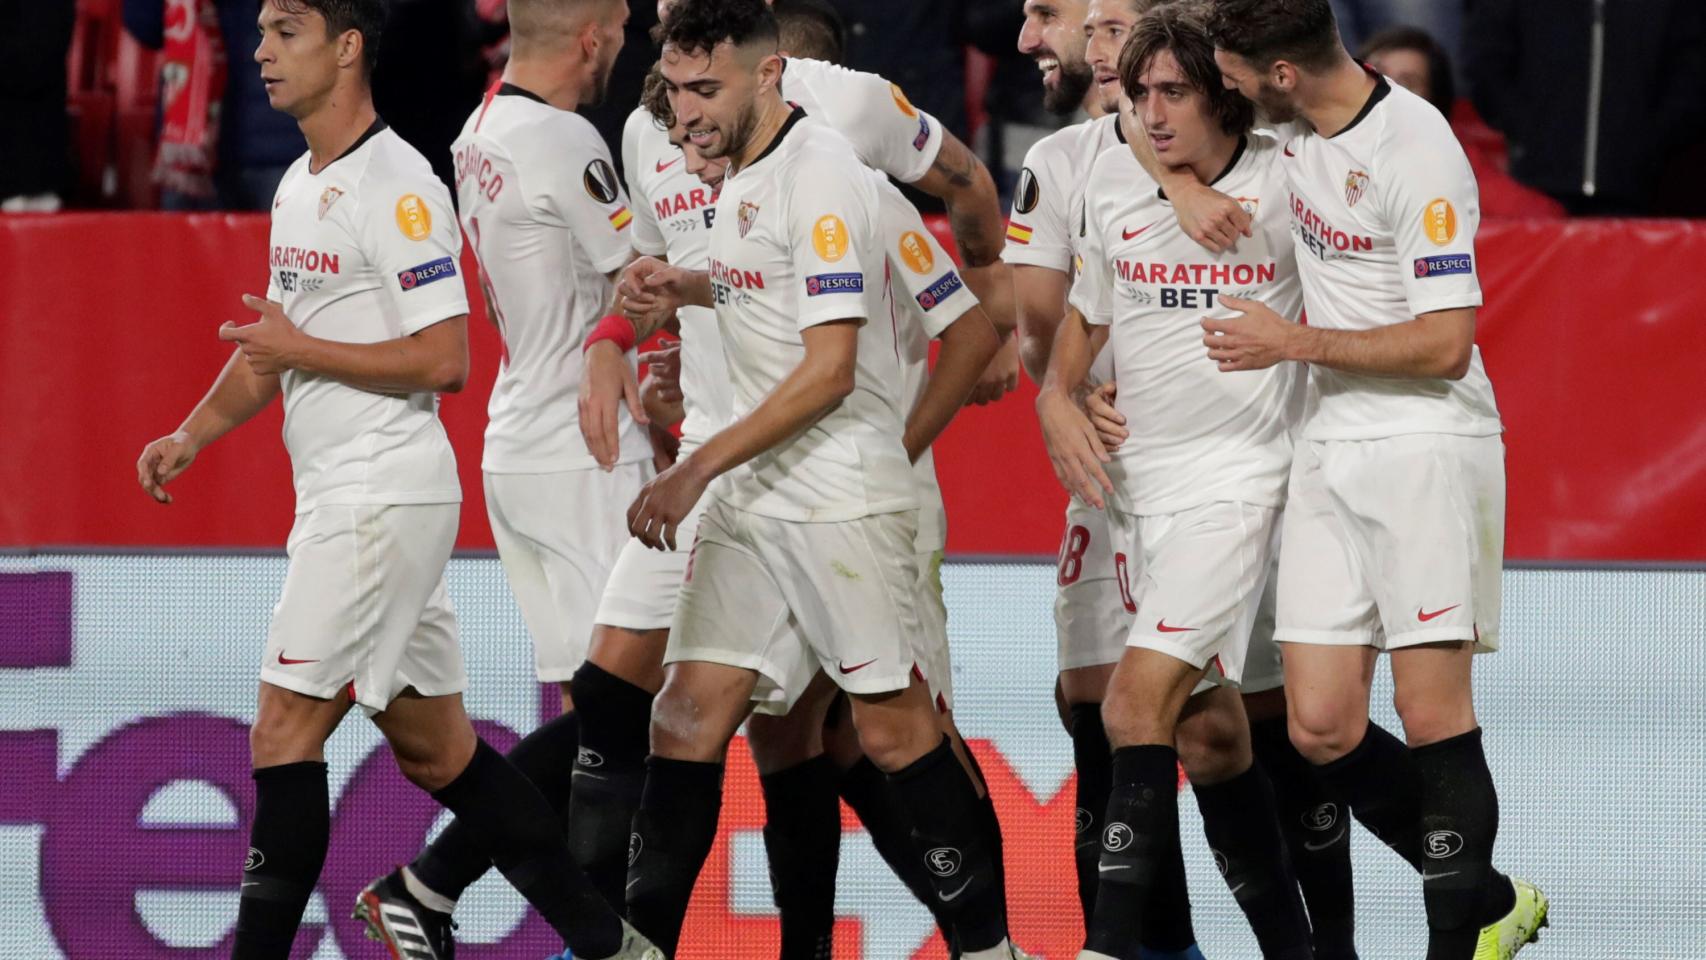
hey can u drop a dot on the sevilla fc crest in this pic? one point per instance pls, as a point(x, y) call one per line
point(747, 214)
point(1356, 183)
point(327, 199)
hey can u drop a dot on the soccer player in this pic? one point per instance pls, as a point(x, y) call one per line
point(809, 538)
point(1197, 488)
point(1394, 532)
point(364, 321)
point(1076, 45)
point(541, 203)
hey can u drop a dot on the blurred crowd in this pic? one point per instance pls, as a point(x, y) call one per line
point(1565, 107)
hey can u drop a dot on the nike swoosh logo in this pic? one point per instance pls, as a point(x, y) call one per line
point(631, 883)
point(1161, 627)
point(1318, 847)
point(665, 166)
point(286, 661)
point(1438, 876)
point(949, 897)
point(1128, 234)
point(1239, 887)
point(1287, 151)
point(846, 669)
point(1111, 867)
point(251, 883)
point(1425, 617)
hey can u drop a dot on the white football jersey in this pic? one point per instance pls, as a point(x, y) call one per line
point(888, 133)
point(548, 219)
point(673, 212)
point(796, 243)
point(1197, 435)
point(1384, 216)
point(363, 252)
point(1046, 228)
point(927, 295)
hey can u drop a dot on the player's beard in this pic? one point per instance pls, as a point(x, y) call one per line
point(1072, 81)
point(734, 139)
point(1272, 105)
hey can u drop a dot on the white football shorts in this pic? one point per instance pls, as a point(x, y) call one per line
point(1090, 616)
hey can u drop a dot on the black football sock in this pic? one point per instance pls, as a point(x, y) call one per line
point(1379, 781)
point(1318, 837)
point(1167, 913)
point(287, 847)
point(452, 862)
point(519, 832)
point(609, 772)
point(951, 839)
point(991, 823)
point(1243, 832)
point(673, 833)
point(866, 790)
point(802, 837)
point(1142, 816)
point(1093, 757)
point(1460, 819)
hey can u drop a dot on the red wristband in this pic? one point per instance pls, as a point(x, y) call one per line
point(615, 328)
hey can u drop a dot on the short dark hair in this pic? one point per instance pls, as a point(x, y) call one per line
point(1263, 31)
point(811, 29)
point(697, 26)
point(366, 17)
point(1442, 90)
point(1179, 27)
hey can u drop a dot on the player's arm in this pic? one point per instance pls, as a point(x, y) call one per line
point(432, 359)
point(824, 377)
point(1039, 293)
point(1211, 218)
point(1074, 448)
point(237, 395)
point(1435, 345)
point(967, 346)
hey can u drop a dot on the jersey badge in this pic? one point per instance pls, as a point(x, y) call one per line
point(1250, 204)
point(923, 138)
point(829, 238)
point(600, 181)
point(1018, 232)
point(621, 218)
point(413, 217)
point(1444, 265)
point(1439, 221)
point(1356, 183)
point(329, 197)
point(1026, 195)
point(426, 273)
point(905, 106)
point(945, 286)
point(835, 283)
point(746, 216)
point(915, 252)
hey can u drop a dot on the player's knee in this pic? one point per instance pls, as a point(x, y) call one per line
point(677, 725)
point(1325, 735)
point(1129, 722)
point(778, 743)
point(1213, 747)
point(891, 743)
point(272, 743)
point(1429, 717)
point(430, 772)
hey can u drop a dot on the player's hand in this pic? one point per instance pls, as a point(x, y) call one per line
point(162, 461)
point(663, 371)
point(664, 502)
point(1255, 339)
point(1105, 417)
point(1073, 448)
point(268, 344)
point(1211, 218)
point(607, 381)
point(1000, 378)
point(651, 291)
point(665, 447)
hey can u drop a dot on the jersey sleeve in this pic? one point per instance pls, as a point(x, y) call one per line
point(645, 234)
point(920, 267)
point(1430, 197)
point(410, 235)
point(829, 207)
point(576, 187)
point(1039, 231)
point(887, 131)
point(1092, 289)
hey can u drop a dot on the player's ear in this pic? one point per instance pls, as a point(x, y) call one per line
point(350, 44)
point(770, 71)
point(1284, 75)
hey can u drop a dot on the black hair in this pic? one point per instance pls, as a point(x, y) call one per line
point(1442, 90)
point(1178, 27)
point(366, 17)
point(1263, 31)
point(697, 26)
point(811, 29)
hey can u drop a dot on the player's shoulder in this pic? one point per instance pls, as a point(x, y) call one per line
point(1410, 130)
point(388, 162)
point(1072, 145)
point(639, 125)
point(822, 78)
point(812, 142)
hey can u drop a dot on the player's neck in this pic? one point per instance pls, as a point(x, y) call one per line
point(333, 127)
point(1213, 163)
point(775, 113)
point(1333, 100)
point(557, 84)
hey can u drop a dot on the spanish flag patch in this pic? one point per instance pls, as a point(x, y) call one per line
point(621, 217)
point(1018, 232)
